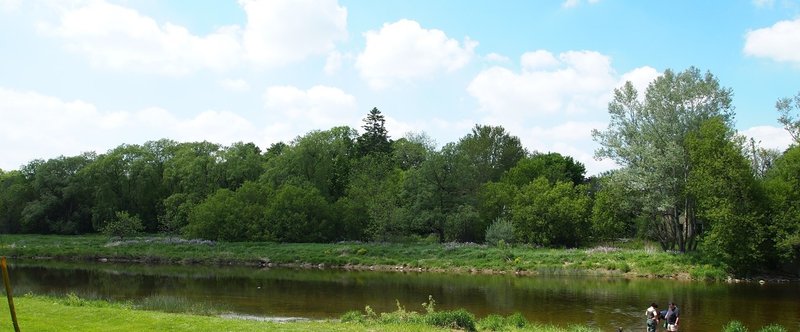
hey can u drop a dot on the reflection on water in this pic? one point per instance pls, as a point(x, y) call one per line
point(603, 302)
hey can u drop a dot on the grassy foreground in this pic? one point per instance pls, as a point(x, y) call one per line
point(628, 259)
point(38, 313)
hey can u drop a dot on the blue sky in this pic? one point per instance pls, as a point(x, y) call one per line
point(81, 76)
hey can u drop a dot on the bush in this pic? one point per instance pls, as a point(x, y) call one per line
point(734, 326)
point(123, 225)
point(772, 328)
point(457, 319)
point(500, 230)
point(353, 316)
point(495, 322)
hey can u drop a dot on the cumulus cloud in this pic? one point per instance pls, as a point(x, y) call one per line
point(763, 3)
point(40, 126)
point(769, 137)
point(284, 31)
point(319, 107)
point(780, 42)
point(333, 63)
point(122, 38)
point(572, 82)
point(403, 51)
point(276, 33)
point(554, 100)
point(495, 57)
point(236, 85)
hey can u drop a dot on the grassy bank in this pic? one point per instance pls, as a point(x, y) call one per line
point(630, 260)
point(39, 313)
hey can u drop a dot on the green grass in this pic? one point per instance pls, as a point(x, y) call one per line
point(628, 260)
point(41, 313)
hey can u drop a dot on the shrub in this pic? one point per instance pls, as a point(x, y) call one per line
point(734, 326)
point(123, 225)
point(500, 230)
point(772, 328)
point(353, 316)
point(492, 322)
point(457, 319)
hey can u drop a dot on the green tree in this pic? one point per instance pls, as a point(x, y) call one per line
point(648, 138)
point(15, 192)
point(613, 212)
point(123, 225)
point(375, 138)
point(782, 183)
point(553, 166)
point(299, 213)
point(551, 215)
point(231, 216)
point(321, 158)
point(729, 200)
point(412, 150)
point(789, 110)
point(491, 151)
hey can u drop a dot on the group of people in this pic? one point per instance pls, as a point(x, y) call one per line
point(670, 317)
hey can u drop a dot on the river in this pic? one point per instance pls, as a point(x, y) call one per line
point(606, 303)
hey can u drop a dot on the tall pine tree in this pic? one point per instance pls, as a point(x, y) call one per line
point(375, 139)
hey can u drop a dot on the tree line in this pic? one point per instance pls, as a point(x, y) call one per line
point(688, 181)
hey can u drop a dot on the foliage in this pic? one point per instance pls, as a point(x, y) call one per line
point(491, 151)
point(500, 230)
point(734, 326)
point(123, 225)
point(375, 139)
point(789, 110)
point(553, 166)
point(728, 197)
point(551, 215)
point(782, 183)
point(648, 138)
point(613, 213)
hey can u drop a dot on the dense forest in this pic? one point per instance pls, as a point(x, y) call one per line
point(687, 181)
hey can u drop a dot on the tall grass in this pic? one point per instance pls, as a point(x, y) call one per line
point(632, 260)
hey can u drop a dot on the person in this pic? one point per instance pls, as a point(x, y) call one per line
point(673, 317)
point(652, 317)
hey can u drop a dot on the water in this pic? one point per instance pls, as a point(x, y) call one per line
point(606, 303)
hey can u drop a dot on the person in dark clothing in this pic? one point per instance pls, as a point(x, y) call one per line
point(672, 317)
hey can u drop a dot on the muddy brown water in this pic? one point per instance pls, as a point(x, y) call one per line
point(606, 303)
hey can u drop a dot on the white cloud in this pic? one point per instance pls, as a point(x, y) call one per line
point(121, 38)
point(276, 33)
point(39, 126)
point(235, 85)
point(495, 57)
point(285, 31)
point(574, 82)
point(640, 78)
point(780, 42)
point(403, 51)
point(299, 111)
point(770, 137)
point(575, 3)
point(554, 101)
point(333, 63)
point(763, 3)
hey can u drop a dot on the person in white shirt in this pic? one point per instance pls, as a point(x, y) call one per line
point(652, 317)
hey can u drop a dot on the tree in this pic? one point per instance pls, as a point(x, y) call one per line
point(552, 166)
point(789, 110)
point(375, 138)
point(551, 215)
point(729, 200)
point(613, 212)
point(648, 138)
point(782, 183)
point(412, 150)
point(299, 213)
point(123, 225)
point(491, 151)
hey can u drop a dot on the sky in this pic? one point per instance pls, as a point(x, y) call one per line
point(78, 76)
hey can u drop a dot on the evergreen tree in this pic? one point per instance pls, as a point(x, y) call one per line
point(375, 138)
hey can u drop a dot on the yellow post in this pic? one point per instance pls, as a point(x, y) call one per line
point(7, 282)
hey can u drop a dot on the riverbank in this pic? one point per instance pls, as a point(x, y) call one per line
point(70, 313)
point(624, 259)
